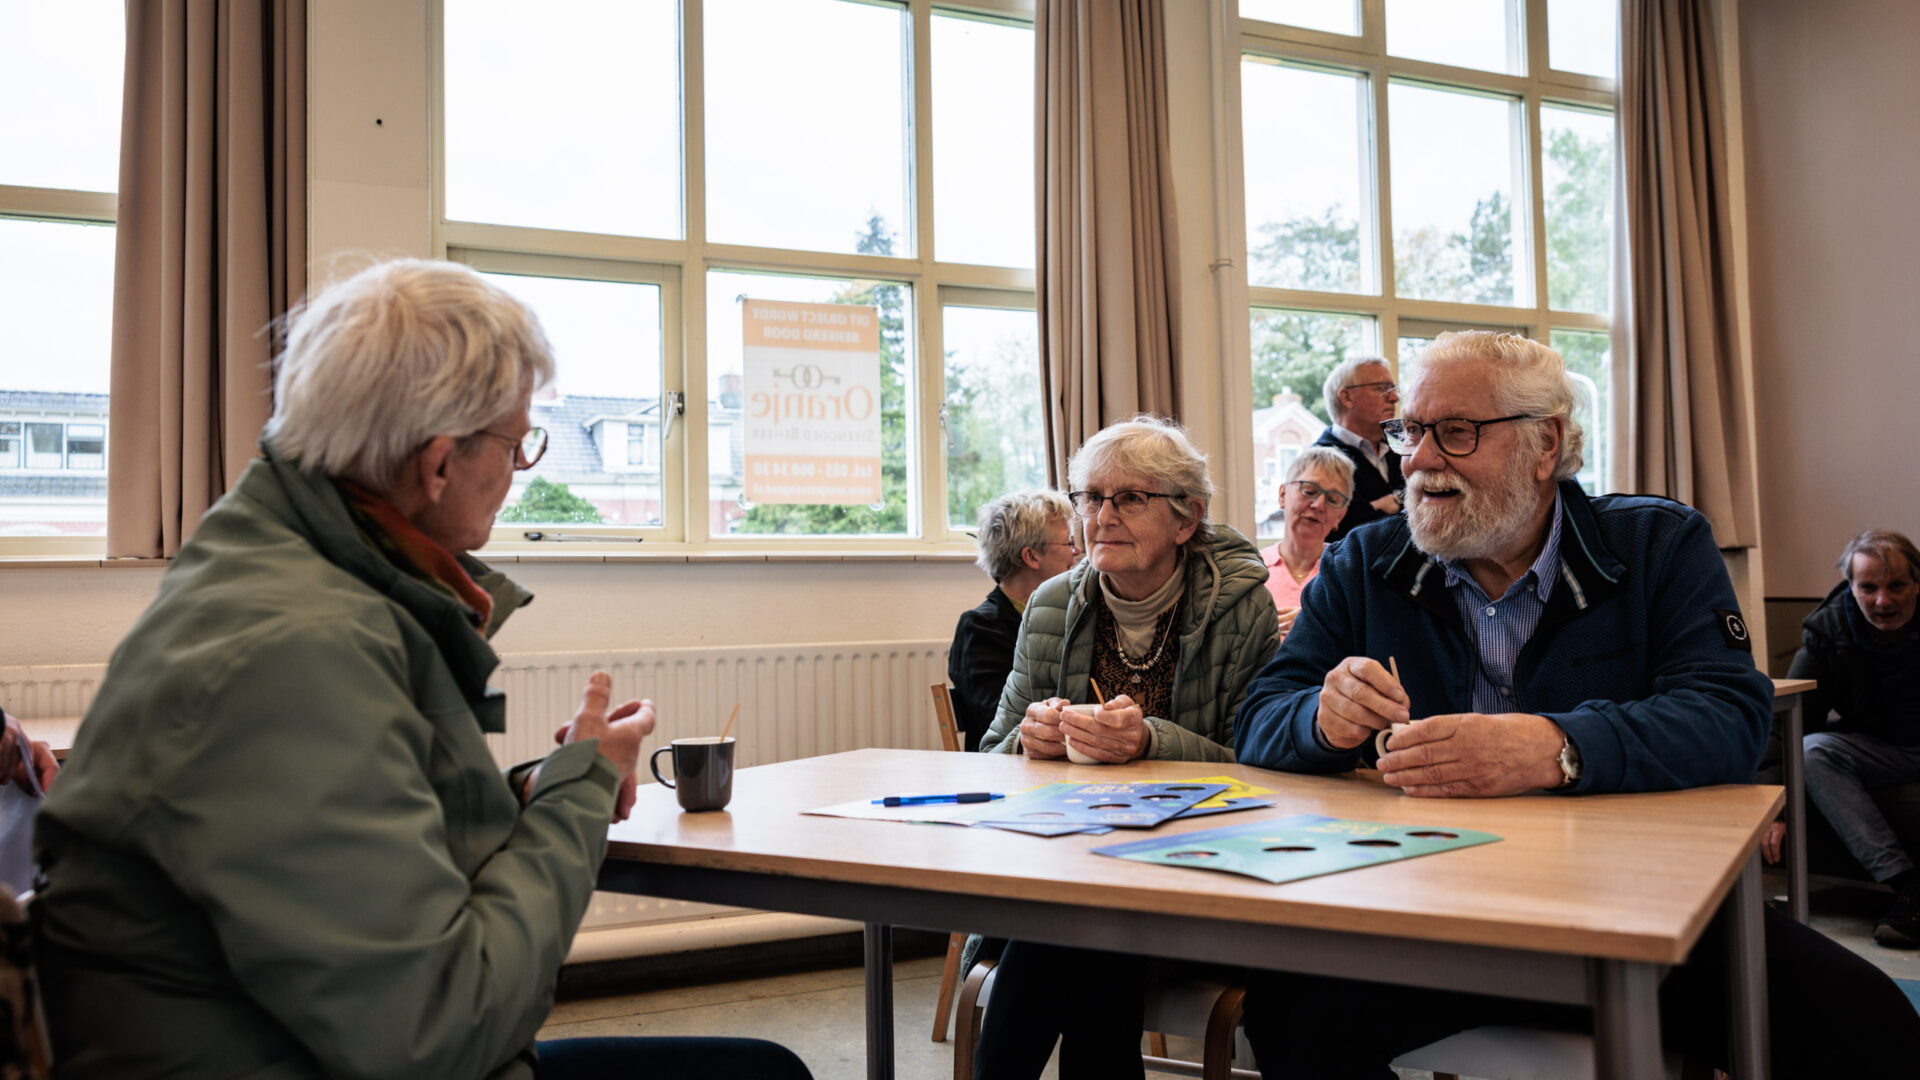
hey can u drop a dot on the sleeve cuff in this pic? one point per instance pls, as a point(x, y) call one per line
point(573, 762)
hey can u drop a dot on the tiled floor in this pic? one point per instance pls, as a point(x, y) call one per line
point(821, 1015)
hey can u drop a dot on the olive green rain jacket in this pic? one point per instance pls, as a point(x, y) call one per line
point(281, 847)
point(1228, 633)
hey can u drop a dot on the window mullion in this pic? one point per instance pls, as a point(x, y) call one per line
point(694, 426)
point(923, 419)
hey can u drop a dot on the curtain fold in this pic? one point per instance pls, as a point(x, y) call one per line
point(1688, 429)
point(210, 247)
point(1106, 281)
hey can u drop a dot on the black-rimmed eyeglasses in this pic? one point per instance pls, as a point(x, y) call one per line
point(1127, 503)
point(527, 450)
point(1456, 436)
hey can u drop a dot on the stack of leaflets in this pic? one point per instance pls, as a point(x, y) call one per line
point(1064, 808)
point(1301, 846)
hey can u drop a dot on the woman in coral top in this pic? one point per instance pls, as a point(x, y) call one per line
point(1314, 497)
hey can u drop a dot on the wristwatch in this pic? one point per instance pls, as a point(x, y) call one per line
point(1569, 761)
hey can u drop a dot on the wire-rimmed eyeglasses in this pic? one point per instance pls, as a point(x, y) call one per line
point(527, 450)
point(1311, 491)
point(1456, 436)
point(1126, 503)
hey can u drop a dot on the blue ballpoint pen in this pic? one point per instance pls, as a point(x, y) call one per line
point(922, 800)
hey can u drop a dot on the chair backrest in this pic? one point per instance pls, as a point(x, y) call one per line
point(943, 712)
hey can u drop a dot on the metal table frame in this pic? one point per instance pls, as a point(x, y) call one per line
point(1623, 994)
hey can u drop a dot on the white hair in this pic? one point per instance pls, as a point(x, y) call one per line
point(1156, 450)
point(1340, 376)
point(401, 352)
point(1529, 379)
point(1324, 459)
point(1013, 523)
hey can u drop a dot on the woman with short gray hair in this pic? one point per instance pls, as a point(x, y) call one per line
point(287, 762)
point(1158, 633)
point(1024, 539)
point(1313, 499)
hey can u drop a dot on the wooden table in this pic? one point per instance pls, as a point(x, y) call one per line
point(1586, 901)
point(1788, 703)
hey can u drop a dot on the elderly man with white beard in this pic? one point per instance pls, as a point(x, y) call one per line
point(1546, 641)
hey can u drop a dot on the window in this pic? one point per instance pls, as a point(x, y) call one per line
point(1444, 166)
point(785, 261)
point(60, 71)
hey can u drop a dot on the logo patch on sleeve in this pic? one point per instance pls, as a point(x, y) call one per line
point(1733, 629)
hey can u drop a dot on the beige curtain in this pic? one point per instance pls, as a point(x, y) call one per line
point(1106, 281)
point(1687, 424)
point(211, 246)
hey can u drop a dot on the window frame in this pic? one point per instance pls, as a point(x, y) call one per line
point(686, 509)
point(1366, 55)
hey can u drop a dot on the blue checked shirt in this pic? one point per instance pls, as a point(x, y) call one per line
point(1498, 628)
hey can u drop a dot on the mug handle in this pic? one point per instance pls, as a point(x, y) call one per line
point(654, 764)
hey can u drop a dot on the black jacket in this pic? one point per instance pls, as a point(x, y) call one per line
point(1849, 674)
point(978, 662)
point(1367, 485)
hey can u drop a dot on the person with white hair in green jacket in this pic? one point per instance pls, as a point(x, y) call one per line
point(281, 847)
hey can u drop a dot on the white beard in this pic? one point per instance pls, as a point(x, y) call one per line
point(1479, 523)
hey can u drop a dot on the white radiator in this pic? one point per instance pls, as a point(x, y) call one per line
point(795, 701)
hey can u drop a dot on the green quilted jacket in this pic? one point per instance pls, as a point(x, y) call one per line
point(1228, 634)
point(281, 847)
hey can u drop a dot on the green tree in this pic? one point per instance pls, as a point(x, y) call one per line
point(1579, 185)
point(993, 427)
point(549, 503)
point(890, 516)
point(1309, 252)
point(1294, 350)
point(1474, 267)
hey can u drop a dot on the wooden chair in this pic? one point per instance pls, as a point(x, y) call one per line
point(1203, 1010)
point(956, 941)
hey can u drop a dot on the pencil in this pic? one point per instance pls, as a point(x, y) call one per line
point(1097, 692)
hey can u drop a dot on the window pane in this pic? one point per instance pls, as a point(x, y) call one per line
point(56, 320)
point(1309, 178)
point(982, 142)
point(994, 431)
point(736, 405)
point(807, 124)
point(1456, 225)
point(1482, 34)
point(564, 116)
point(1583, 36)
point(60, 72)
point(1293, 352)
point(605, 397)
point(1589, 359)
point(1334, 16)
point(1579, 193)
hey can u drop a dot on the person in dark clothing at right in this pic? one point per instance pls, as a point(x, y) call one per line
point(1360, 394)
point(1863, 647)
point(1024, 539)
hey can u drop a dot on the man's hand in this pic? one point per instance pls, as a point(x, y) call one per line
point(1116, 734)
point(1475, 754)
point(1387, 504)
point(1358, 698)
point(1770, 841)
point(1040, 735)
point(19, 755)
point(620, 733)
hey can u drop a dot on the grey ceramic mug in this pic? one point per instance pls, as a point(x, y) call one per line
point(702, 771)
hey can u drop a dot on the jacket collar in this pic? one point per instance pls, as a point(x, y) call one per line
point(321, 516)
point(1589, 571)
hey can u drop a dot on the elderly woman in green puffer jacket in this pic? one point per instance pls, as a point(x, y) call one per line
point(1171, 617)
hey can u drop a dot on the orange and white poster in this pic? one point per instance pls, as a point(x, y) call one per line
point(811, 397)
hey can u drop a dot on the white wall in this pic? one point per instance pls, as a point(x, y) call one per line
point(1832, 151)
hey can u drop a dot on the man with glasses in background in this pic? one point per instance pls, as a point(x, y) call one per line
point(1546, 641)
point(1360, 395)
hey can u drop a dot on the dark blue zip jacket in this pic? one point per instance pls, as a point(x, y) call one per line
point(1640, 655)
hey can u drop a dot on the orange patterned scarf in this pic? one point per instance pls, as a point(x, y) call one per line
point(411, 550)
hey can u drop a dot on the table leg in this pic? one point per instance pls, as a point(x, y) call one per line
point(879, 1001)
point(1747, 974)
point(1626, 1020)
point(1794, 757)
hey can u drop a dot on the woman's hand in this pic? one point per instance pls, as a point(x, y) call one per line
point(1117, 733)
point(1040, 735)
